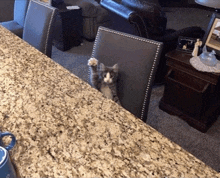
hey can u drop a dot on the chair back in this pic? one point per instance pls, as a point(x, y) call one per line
point(20, 10)
point(137, 58)
point(39, 26)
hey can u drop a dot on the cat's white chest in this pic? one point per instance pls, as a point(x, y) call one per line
point(107, 92)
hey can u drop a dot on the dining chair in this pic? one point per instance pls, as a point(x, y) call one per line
point(137, 58)
point(17, 24)
point(39, 26)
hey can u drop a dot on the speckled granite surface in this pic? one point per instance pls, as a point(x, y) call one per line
point(65, 128)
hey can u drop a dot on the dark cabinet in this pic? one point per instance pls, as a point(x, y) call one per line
point(190, 94)
point(68, 29)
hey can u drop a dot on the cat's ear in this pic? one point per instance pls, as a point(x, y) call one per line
point(102, 67)
point(115, 68)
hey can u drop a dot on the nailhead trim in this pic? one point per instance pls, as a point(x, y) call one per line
point(136, 38)
point(149, 81)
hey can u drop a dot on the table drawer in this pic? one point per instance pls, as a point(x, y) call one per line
point(185, 92)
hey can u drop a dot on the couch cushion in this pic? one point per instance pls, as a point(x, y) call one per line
point(151, 12)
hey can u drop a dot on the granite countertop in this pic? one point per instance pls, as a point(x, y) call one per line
point(65, 128)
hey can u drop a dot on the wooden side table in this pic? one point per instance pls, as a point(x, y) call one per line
point(190, 94)
point(68, 30)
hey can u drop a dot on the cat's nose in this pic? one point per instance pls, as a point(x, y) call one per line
point(107, 80)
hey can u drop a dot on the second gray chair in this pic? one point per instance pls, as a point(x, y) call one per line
point(39, 26)
point(16, 25)
point(137, 58)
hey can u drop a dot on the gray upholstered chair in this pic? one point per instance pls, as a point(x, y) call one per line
point(16, 25)
point(137, 58)
point(39, 26)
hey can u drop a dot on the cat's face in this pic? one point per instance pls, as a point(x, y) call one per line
point(109, 74)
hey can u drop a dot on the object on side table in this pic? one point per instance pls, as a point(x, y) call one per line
point(190, 94)
point(206, 62)
point(212, 36)
point(196, 47)
point(208, 58)
point(186, 44)
point(68, 29)
point(209, 3)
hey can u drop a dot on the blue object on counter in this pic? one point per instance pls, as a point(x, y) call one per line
point(6, 168)
point(10, 145)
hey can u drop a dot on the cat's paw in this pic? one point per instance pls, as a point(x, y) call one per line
point(93, 62)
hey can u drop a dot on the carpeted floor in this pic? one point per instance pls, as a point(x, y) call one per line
point(205, 146)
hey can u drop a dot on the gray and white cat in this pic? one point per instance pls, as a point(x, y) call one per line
point(104, 79)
